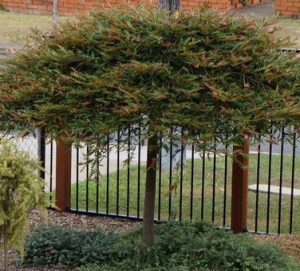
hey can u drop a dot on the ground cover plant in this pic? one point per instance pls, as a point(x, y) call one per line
point(177, 246)
point(213, 76)
point(106, 201)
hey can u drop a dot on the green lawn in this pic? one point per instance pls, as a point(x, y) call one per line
point(197, 198)
point(15, 27)
point(290, 27)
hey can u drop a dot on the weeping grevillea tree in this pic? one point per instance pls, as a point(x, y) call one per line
point(213, 76)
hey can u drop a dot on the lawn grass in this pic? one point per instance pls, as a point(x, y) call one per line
point(291, 28)
point(175, 195)
point(15, 27)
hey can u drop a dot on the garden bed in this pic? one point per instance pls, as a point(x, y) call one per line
point(72, 221)
point(289, 243)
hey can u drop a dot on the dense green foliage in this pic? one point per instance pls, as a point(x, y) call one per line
point(204, 72)
point(178, 246)
point(21, 190)
point(51, 245)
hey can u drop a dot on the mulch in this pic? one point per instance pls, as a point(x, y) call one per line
point(290, 243)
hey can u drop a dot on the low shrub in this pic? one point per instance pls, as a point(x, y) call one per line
point(56, 245)
point(178, 246)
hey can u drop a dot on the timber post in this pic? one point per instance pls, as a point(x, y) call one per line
point(63, 176)
point(239, 197)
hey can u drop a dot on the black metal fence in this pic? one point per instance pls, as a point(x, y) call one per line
point(191, 185)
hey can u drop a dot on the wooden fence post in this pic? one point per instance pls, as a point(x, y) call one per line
point(63, 176)
point(239, 197)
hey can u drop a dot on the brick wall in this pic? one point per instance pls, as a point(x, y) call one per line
point(70, 7)
point(288, 7)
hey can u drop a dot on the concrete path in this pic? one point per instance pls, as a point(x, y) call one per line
point(260, 10)
point(274, 189)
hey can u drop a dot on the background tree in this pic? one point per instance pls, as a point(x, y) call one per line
point(212, 76)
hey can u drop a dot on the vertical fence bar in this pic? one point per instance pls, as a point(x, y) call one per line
point(214, 187)
point(202, 185)
point(181, 182)
point(293, 184)
point(87, 179)
point(51, 172)
point(118, 173)
point(42, 153)
point(63, 176)
point(139, 172)
point(280, 180)
point(77, 178)
point(97, 180)
point(107, 176)
point(192, 183)
point(269, 181)
point(128, 172)
point(170, 174)
point(225, 186)
point(239, 200)
point(159, 178)
point(257, 186)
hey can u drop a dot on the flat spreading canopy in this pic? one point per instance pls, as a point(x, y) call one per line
point(214, 76)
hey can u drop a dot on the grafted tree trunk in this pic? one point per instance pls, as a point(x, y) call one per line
point(152, 154)
point(149, 202)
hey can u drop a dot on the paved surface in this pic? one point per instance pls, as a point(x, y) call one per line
point(264, 188)
point(260, 10)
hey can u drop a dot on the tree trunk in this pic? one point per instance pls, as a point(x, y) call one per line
point(149, 202)
point(152, 153)
point(171, 5)
point(54, 14)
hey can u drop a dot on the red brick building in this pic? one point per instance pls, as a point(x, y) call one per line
point(288, 7)
point(69, 7)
